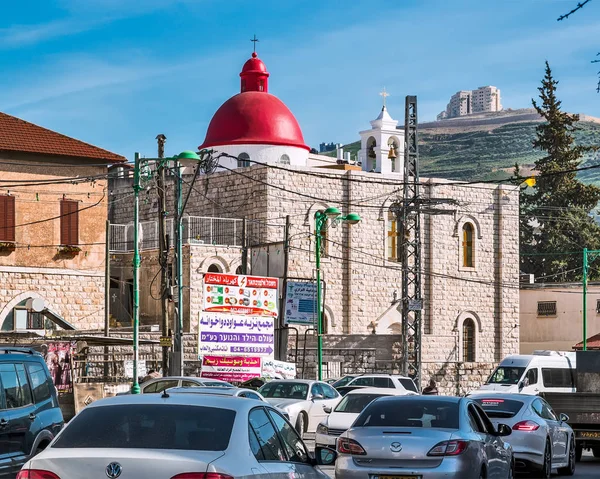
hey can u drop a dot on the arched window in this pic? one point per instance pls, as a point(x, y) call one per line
point(239, 270)
point(468, 340)
point(468, 245)
point(214, 268)
point(284, 159)
point(243, 160)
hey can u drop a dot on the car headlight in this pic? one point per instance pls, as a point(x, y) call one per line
point(322, 429)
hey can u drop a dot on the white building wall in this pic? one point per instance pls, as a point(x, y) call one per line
point(263, 154)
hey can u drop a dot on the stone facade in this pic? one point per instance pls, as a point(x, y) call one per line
point(361, 282)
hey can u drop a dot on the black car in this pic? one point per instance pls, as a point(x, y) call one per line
point(29, 413)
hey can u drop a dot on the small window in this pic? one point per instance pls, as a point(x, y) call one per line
point(243, 160)
point(268, 441)
point(598, 306)
point(214, 268)
point(15, 384)
point(468, 256)
point(239, 270)
point(546, 308)
point(7, 218)
point(284, 159)
point(189, 384)
point(383, 383)
point(362, 382)
point(558, 378)
point(39, 382)
point(393, 236)
point(469, 341)
point(69, 223)
point(408, 384)
point(531, 377)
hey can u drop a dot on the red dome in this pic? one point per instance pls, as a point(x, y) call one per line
point(254, 117)
point(253, 65)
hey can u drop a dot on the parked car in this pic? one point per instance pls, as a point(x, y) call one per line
point(345, 413)
point(158, 385)
point(233, 392)
point(385, 381)
point(175, 436)
point(424, 436)
point(541, 440)
point(344, 381)
point(30, 416)
point(302, 399)
point(343, 390)
point(542, 371)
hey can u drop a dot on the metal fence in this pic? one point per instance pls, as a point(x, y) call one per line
point(197, 230)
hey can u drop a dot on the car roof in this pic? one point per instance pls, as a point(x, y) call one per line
point(11, 352)
point(303, 381)
point(382, 391)
point(426, 398)
point(200, 390)
point(185, 378)
point(381, 375)
point(207, 400)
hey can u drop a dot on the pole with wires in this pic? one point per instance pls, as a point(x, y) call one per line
point(135, 388)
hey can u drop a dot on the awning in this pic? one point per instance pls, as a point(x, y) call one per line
point(57, 319)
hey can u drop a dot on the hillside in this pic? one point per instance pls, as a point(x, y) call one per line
point(486, 152)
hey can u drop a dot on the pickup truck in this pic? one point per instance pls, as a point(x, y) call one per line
point(582, 406)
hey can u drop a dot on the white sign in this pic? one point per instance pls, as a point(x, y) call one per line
point(301, 303)
point(274, 369)
point(230, 334)
point(142, 369)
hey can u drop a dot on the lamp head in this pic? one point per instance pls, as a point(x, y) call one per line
point(332, 212)
point(188, 155)
point(352, 218)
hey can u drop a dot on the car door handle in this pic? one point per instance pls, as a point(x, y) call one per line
point(32, 417)
point(3, 423)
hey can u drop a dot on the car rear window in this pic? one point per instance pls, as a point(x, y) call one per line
point(355, 403)
point(405, 412)
point(150, 426)
point(497, 407)
point(408, 384)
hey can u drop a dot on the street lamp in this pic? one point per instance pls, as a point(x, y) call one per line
point(179, 208)
point(321, 219)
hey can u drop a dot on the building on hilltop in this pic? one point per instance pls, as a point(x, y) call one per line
point(465, 102)
point(470, 256)
point(53, 212)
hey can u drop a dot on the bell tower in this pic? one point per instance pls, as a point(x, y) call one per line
point(382, 147)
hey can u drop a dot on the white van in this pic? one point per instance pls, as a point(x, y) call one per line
point(552, 371)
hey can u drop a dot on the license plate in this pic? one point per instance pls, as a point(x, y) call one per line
point(399, 477)
point(590, 434)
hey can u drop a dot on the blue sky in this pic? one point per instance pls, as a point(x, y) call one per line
point(116, 73)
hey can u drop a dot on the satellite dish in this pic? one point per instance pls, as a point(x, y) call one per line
point(36, 304)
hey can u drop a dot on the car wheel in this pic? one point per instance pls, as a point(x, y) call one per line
point(578, 452)
point(300, 424)
point(546, 469)
point(570, 469)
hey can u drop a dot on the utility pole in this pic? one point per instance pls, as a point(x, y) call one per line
point(106, 294)
point(135, 388)
point(244, 246)
point(283, 331)
point(412, 301)
point(163, 248)
point(178, 352)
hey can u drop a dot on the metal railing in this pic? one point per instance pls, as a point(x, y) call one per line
point(197, 230)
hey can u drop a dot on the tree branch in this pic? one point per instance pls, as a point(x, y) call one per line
point(579, 6)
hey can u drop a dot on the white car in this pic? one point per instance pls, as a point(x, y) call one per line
point(385, 381)
point(175, 436)
point(540, 439)
point(348, 409)
point(305, 401)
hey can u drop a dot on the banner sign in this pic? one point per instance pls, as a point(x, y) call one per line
point(274, 369)
point(231, 368)
point(232, 334)
point(240, 295)
point(301, 303)
point(58, 360)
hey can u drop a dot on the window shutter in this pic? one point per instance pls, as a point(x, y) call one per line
point(7, 218)
point(69, 223)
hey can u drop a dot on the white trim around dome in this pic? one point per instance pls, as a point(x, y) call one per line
point(263, 154)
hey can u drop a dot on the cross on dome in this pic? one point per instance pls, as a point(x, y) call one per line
point(254, 40)
point(384, 94)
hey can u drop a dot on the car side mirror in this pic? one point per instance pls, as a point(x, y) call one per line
point(521, 385)
point(325, 456)
point(317, 396)
point(327, 409)
point(504, 430)
point(563, 417)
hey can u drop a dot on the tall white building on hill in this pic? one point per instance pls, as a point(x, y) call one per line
point(483, 99)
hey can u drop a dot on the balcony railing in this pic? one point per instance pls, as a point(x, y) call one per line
point(197, 230)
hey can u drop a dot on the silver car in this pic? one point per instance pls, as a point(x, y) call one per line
point(541, 440)
point(305, 401)
point(175, 436)
point(158, 385)
point(429, 437)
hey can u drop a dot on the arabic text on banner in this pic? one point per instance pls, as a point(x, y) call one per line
point(231, 368)
point(301, 303)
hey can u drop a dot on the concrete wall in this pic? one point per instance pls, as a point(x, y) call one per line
point(563, 331)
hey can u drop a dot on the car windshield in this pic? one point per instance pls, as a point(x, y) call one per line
point(342, 382)
point(285, 390)
point(413, 413)
point(355, 403)
point(506, 375)
point(498, 407)
point(149, 426)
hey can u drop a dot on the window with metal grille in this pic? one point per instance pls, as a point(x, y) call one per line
point(69, 223)
point(243, 160)
point(546, 308)
point(469, 341)
point(468, 245)
point(7, 218)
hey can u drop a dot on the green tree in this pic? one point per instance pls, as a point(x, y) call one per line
point(555, 212)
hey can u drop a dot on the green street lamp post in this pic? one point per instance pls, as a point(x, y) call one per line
point(321, 221)
point(179, 208)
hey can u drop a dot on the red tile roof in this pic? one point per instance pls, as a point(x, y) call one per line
point(21, 136)
point(593, 342)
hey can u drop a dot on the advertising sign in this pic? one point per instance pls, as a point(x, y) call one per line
point(301, 303)
point(273, 369)
point(225, 334)
point(231, 368)
point(142, 368)
point(240, 295)
point(58, 360)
